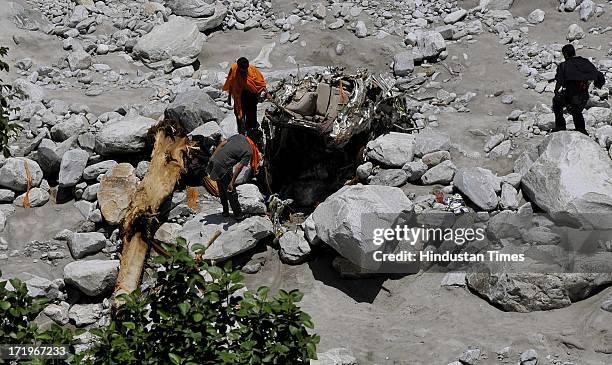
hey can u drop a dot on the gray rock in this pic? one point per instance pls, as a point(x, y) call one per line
point(427, 44)
point(91, 192)
point(228, 125)
point(49, 154)
point(392, 149)
point(93, 171)
point(141, 169)
point(493, 141)
point(38, 286)
point(209, 131)
point(85, 314)
point(58, 313)
point(536, 16)
point(79, 13)
point(84, 244)
point(72, 166)
point(191, 8)
point(454, 279)
point(455, 16)
point(336, 356)
point(435, 158)
point(501, 150)
point(470, 356)
point(193, 108)
point(440, 174)
point(124, 136)
point(239, 238)
point(403, 63)
point(529, 357)
point(581, 174)
point(168, 232)
point(496, 4)
point(30, 91)
point(92, 277)
point(391, 177)
point(574, 32)
point(68, 128)
point(509, 197)
point(79, 60)
point(607, 305)
point(320, 11)
point(601, 115)
point(6, 196)
point(173, 44)
point(526, 292)
point(345, 220)
point(116, 188)
point(13, 174)
point(250, 198)
point(415, 170)
point(294, 249)
point(37, 197)
point(361, 31)
point(479, 185)
point(364, 170)
point(428, 142)
point(587, 10)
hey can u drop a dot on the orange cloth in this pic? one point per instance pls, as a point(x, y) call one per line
point(256, 157)
point(236, 83)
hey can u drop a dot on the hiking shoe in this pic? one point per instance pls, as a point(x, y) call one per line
point(239, 217)
point(557, 130)
point(225, 214)
point(584, 132)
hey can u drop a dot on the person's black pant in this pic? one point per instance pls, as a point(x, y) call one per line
point(249, 124)
point(560, 102)
point(226, 196)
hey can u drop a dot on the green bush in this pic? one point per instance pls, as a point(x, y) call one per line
point(17, 313)
point(193, 315)
point(7, 129)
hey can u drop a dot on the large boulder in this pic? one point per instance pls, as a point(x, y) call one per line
point(427, 44)
point(68, 128)
point(193, 108)
point(496, 4)
point(570, 177)
point(29, 90)
point(239, 238)
point(116, 189)
point(92, 172)
point(528, 291)
point(347, 219)
point(92, 277)
point(14, 174)
point(428, 142)
point(478, 184)
point(294, 249)
point(392, 149)
point(72, 166)
point(49, 154)
point(123, 136)
point(442, 173)
point(206, 24)
point(191, 8)
point(173, 44)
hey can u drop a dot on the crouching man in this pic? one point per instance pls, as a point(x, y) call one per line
point(226, 163)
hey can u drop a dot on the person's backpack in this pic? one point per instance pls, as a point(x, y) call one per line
point(580, 99)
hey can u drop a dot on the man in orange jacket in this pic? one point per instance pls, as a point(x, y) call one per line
point(244, 84)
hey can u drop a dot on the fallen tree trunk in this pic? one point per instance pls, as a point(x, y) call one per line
point(140, 222)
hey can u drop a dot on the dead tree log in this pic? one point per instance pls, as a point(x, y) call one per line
point(140, 222)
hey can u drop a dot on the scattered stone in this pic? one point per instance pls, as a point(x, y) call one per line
point(529, 357)
point(403, 64)
point(428, 142)
point(58, 313)
point(415, 170)
point(93, 171)
point(168, 232)
point(37, 197)
point(124, 136)
point(470, 356)
point(85, 314)
point(574, 32)
point(435, 158)
point(72, 166)
point(294, 249)
point(84, 244)
point(392, 149)
point(336, 356)
point(455, 16)
point(13, 173)
point(193, 108)
point(391, 177)
point(250, 198)
point(536, 16)
point(92, 277)
point(479, 185)
point(440, 174)
point(364, 170)
point(239, 238)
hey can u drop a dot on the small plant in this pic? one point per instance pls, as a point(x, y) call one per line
point(194, 315)
point(17, 313)
point(8, 130)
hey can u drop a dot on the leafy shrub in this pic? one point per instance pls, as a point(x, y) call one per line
point(194, 315)
point(17, 313)
point(7, 129)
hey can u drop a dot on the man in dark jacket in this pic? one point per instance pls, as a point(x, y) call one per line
point(225, 164)
point(572, 88)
